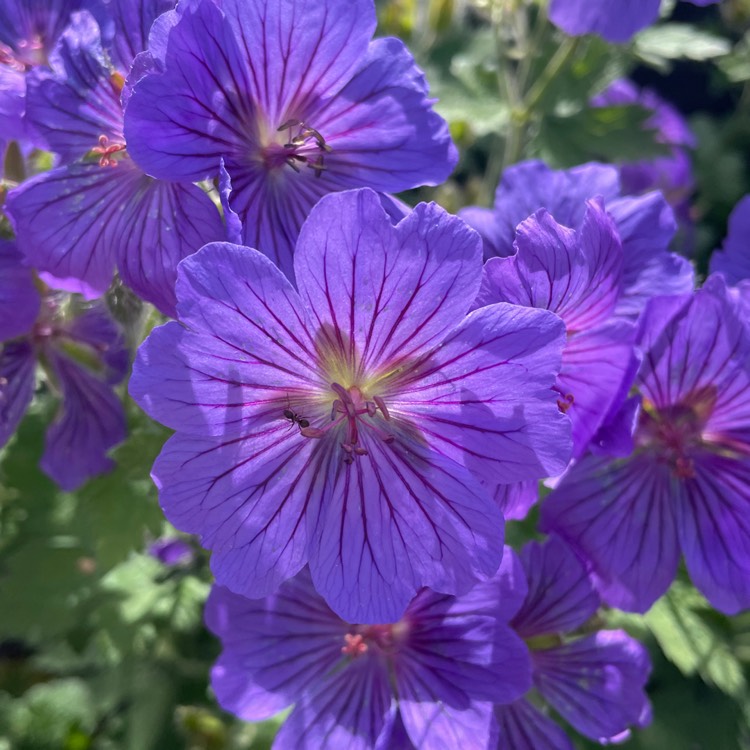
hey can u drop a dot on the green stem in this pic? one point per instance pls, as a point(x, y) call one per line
point(557, 63)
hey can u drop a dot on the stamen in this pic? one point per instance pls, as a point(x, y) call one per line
point(565, 402)
point(302, 140)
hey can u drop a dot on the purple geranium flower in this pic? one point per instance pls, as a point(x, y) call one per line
point(350, 424)
point(296, 100)
point(579, 276)
point(645, 224)
point(614, 20)
point(426, 681)
point(100, 211)
point(686, 486)
point(83, 357)
point(594, 680)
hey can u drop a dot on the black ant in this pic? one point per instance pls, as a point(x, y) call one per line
point(295, 418)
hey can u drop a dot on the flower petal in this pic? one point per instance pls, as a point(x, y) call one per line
point(560, 596)
point(575, 274)
point(353, 709)
point(80, 100)
point(614, 20)
point(384, 295)
point(17, 367)
point(733, 260)
point(596, 683)
point(620, 516)
point(78, 221)
point(381, 127)
point(598, 369)
point(522, 726)
point(247, 499)
point(438, 726)
point(484, 399)
point(394, 520)
point(714, 528)
point(531, 185)
point(274, 649)
point(517, 499)
point(19, 299)
point(248, 353)
point(90, 421)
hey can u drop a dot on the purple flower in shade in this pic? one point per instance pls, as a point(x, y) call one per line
point(350, 424)
point(579, 276)
point(614, 20)
point(82, 220)
point(593, 680)
point(428, 680)
point(686, 486)
point(733, 260)
point(671, 174)
point(645, 224)
point(83, 358)
point(171, 552)
point(296, 100)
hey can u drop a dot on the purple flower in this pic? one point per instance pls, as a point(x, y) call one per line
point(83, 357)
point(29, 30)
point(645, 224)
point(171, 552)
point(579, 276)
point(733, 260)
point(99, 211)
point(350, 424)
point(686, 486)
point(614, 20)
point(296, 100)
point(592, 680)
point(427, 680)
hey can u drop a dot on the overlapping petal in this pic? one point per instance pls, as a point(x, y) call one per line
point(620, 516)
point(560, 594)
point(82, 220)
point(79, 101)
point(596, 683)
point(247, 499)
point(273, 650)
point(522, 726)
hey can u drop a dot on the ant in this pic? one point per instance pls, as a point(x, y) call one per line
point(295, 418)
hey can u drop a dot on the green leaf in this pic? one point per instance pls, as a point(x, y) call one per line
point(117, 511)
point(659, 45)
point(610, 134)
point(692, 643)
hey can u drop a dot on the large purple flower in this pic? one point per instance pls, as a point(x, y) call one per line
point(99, 211)
point(426, 681)
point(686, 487)
point(296, 100)
point(83, 356)
point(614, 20)
point(350, 424)
point(594, 680)
point(579, 276)
point(645, 224)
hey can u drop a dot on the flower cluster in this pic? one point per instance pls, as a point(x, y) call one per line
point(362, 392)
